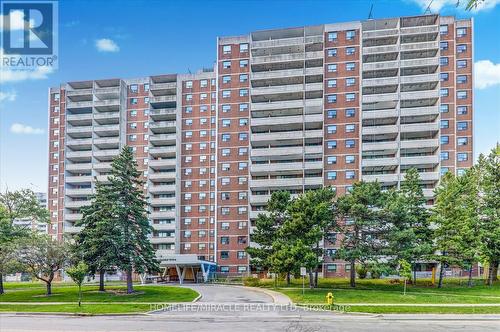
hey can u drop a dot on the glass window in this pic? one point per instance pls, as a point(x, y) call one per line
point(226, 64)
point(332, 83)
point(444, 108)
point(332, 144)
point(461, 110)
point(331, 267)
point(443, 29)
point(226, 79)
point(445, 140)
point(462, 141)
point(443, 45)
point(444, 77)
point(461, 64)
point(350, 96)
point(444, 155)
point(226, 49)
point(349, 143)
point(445, 124)
point(332, 129)
point(331, 160)
point(461, 32)
point(243, 63)
point(332, 68)
point(226, 93)
point(350, 81)
point(461, 94)
point(350, 128)
point(350, 66)
point(134, 88)
point(350, 50)
point(332, 52)
point(443, 61)
point(226, 108)
point(243, 78)
point(243, 107)
point(461, 79)
point(444, 92)
point(243, 92)
point(349, 159)
point(243, 48)
point(461, 48)
point(349, 35)
point(331, 99)
point(350, 113)
point(461, 125)
point(462, 156)
point(203, 83)
point(331, 175)
point(350, 174)
point(331, 114)
point(332, 36)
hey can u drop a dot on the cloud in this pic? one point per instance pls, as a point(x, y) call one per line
point(16, 20)
point(19, 128)
point(459, 5)
point(106, 45)
point(486, 74)
point(8, 96)
point(12, 76)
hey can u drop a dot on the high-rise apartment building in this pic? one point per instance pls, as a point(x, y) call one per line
point(288, 109)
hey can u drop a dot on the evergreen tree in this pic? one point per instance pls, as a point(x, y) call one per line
point(129, 214)
point(363, 225)
point(97, 242)
point(409, 236)
point(489, 186)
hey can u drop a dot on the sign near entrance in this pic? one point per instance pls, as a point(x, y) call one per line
point(303, 271)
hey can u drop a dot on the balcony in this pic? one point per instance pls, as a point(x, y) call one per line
point(107, 117)
point(75, 204)
point(381, 146)
point(162, 214)
point(425, 176)
point(163, 86)
point(78, 131)
point(380, 49)
point(162, 139)
point(287, 104)
point(77, 179)
point(380, 33)
point(380, 65)
point(84, 143)
point(106, 103)
point(259, 199)
point(419, 46)
point(261, 75)
point(286, 42)
point(420, 160)
point(102, 166)
point(72, 229)
point(80, 192)
point(159, 240)
point(276, 167)
point(287, 135)
point(420, 62)
point(419, 127)
point(425, 94)
point(380, 130)
point(107, 143)
point(163, 126)
point(380, 162)
point(387, 179)
point(421, 143)
point(419, 29)
point(286, 57)
point(419, 111)
point(368, 82)
point(79, 119)
point(78, 155)
point(159, 189)
point(78, 92)
point(79, 167)
point(161, 114)
point(73, 216)
point(107, 130)
point(161, 176)
point(163, 99)
point(163, 201)
point(79, 104)
point(380, 114)
point(419, 78)
point(163, 151)
point(380, 97)
point(106, 155)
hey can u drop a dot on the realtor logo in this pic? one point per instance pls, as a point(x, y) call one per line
point(29, 34)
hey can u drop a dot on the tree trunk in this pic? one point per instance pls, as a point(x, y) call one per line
point(353, 273)
point(414, 274)
point(469, 282)
point(49, 288)
point(1, 284)
point(130, 287)
point(288, 278)
point(80, 295)
point(311, 280)
point(494, 270)
point(316, 278)
point(441, 275)
point(101, 280)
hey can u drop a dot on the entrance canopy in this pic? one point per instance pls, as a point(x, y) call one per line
point(186, 264)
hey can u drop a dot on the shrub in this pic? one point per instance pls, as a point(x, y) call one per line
point(362, 271)
point(251, 281)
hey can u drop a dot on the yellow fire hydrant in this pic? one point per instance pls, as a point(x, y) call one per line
point(329, 298)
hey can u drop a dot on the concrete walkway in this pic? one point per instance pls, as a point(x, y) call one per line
point(237, 294)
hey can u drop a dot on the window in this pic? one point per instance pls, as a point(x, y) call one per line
point(350, 81)
point(225, 152)
point(332, 36)
point(203, 83)
point(443, 29)
point(225, 181)
point(461, 79)
point(224, 255)
point(462, 156)
point(332, 68)
point(146, 87)
point(444, 155)
point(226, 49)
point(133, 113)
point(444, 92)
point(243, 107)
point(226, 108)
point(243, 63)
point(331, 175)
point(242, 151)
point(132, 138)
point(461, 171)
point(462, 141)
point(331, 114)
point(444, 108)
point(224, 211)
point(461, 64)
point(445, 124)
point(133, 101)
point(226, 64)
point(224, 269)
point(243, 122)
point(349, 143)
point(350, 113)
point(224, 240)
point(461, 125)
point(331, 99)
point(461, 110)
point(445, 140)
point(243, 136)
point(444, 77)
point(226, 79)
point(350, 66)
point(331, 160)
point(242, 166)
point(332, 83)
point(224, 226)
point(349, 35)
point(350, 96)
point(243, 78)
point(243, 48)
point(332, 52)
point(332, 144)
point(243, 92)
point(203, 96)
point(332, 129)
point(443, 61)
point(350, 175)
point(349, 159)
point(56, 96)
point(189, 97)
point(331, 267)
point(443, 45)
point(242, 255)
point(188, 109)
point(461, 48)
point(461, 32)
point(226, 93)
point(350, 50)
point(188, 84)
point(461, 94)
point(226, 137)
point(226, 122)
point(444, 170)
point(349, 128)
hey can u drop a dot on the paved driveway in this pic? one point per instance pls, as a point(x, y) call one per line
point(230, 294)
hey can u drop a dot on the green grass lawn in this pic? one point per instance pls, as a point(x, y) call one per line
point(382, 291)
point(114, 300)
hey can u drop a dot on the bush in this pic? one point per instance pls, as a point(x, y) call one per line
point(251, 281)
point(362, 271)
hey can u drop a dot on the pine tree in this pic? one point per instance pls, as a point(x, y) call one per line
point(96, 243)
point(489, 186)
point(135, 251)
point(409, 235)
point(364, 225)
